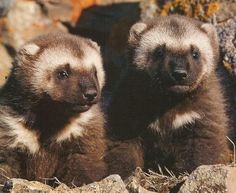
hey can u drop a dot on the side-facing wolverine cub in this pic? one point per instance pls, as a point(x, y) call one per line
point(51, 124)
point(170, 94)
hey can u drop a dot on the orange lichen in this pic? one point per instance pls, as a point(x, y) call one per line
point(39, 25)
point(212, 8)
point(200, 9)
point(79, 5)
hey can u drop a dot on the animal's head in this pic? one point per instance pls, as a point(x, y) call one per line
point(64, 67)
point(177, 52)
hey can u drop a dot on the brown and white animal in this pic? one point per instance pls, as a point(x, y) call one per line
point(170, 94)
point(51, 124)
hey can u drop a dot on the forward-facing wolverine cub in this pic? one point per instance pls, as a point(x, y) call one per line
point(170, 94)
point(50, 118)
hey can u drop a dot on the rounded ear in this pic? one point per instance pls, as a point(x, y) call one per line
point(26, 51)
point(136, 30)
point(30, 49)
point(210, 30)
point(94, 45)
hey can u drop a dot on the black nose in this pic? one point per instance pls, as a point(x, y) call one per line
point(179, 74)
point(90, 95)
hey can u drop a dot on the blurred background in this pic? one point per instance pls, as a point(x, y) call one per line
point(107, 22)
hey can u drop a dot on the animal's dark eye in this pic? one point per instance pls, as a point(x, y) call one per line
point(195, 53)
point(159, 53)
point(63, 74)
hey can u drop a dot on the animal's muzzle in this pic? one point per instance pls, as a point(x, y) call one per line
point(178, 69)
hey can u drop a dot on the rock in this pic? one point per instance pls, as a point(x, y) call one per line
point(69, 10)
point(111, 184)
point(26, 20)
point(227, 10)
point(211, 179)
point(204, 10)
point(62, 188)
point(53, 7)
point(227, 37)
point(5, 6)
point(149, 9)
point(5, 64)
point(134, 186)
point(107, 2)
point(23, 186)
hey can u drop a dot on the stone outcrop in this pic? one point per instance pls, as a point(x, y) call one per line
point(211, 179)
point(24, 21)
point(111, 184)
point(207, 179)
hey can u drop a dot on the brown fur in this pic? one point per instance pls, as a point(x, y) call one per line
point(32, 119)
point(124, 156)
point(147, 106)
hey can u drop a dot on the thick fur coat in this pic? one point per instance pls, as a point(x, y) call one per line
point(51, 124)
point(170, 95)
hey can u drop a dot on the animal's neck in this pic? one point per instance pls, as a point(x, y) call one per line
point(13, 94)
point(48, 118)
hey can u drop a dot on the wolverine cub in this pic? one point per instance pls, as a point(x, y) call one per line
point(170, 94)
point(50, 118)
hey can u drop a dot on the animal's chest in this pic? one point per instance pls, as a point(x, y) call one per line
point(46, 162)
point(166, 134)
point(40, 160)
point(42, 164)
point(173, 122)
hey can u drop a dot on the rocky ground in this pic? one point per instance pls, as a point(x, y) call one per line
point(205, 179)
point(108, 22)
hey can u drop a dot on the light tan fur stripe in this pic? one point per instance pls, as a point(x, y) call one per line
point(23, 137)
point(75, 128)
point(185, 118)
